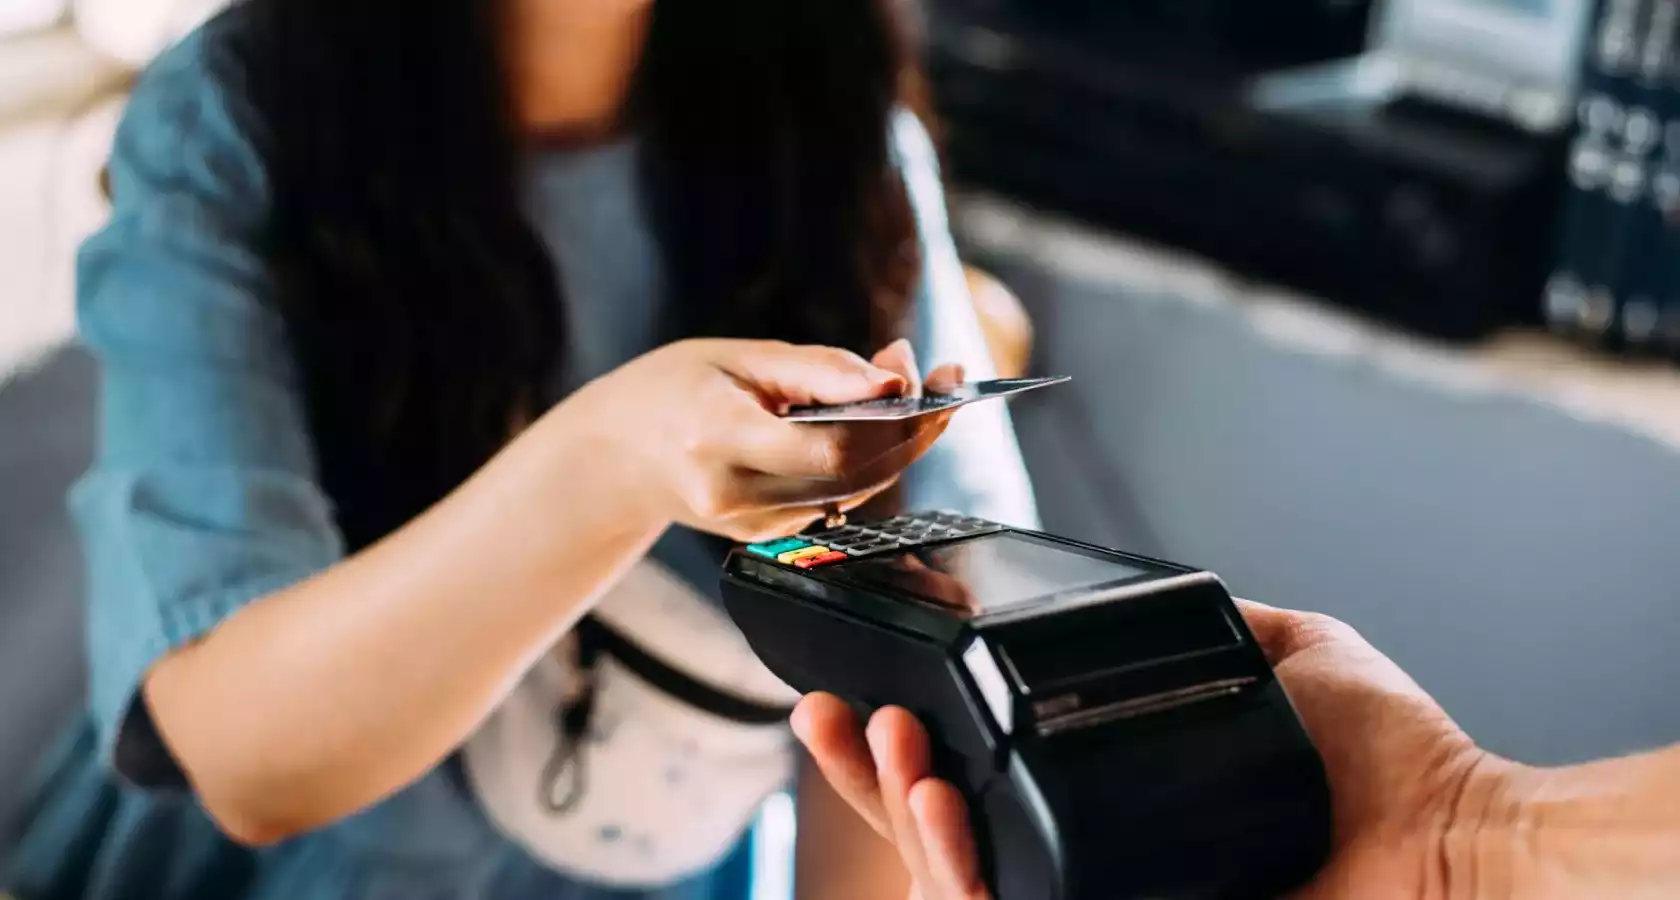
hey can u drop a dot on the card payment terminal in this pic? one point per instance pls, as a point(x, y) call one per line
point(1113, 724)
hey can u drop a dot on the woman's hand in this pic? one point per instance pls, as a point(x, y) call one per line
point(700, 424)
point(1408, 784)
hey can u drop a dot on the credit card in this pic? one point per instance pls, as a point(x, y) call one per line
point(889, 409)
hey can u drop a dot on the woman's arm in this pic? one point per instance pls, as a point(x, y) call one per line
point(324, 697)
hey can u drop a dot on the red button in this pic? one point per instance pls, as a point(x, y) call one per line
point(824, 559)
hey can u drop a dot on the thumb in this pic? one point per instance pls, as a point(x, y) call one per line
point(899, 357)
point(1283, 633)
point(789, 374)
point(1271, 626)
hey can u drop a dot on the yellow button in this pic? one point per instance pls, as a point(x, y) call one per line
point(792, 555)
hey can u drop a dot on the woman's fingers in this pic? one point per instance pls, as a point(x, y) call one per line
point(783, 374)
point(945, 379)
point(830, 451)
point(900, 358)
point(835, 740)
point(820, 464)
point(902, 758)
point(800, 509)
point(860, 453)
point(942, 822)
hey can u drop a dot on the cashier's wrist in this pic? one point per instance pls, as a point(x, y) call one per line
point(1479, 846)
point(1605, 829)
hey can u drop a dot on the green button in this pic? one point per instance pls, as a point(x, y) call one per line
point(773, 549)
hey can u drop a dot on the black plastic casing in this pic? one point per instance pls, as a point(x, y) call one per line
point(1129, 741)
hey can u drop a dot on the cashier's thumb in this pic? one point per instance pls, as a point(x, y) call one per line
point(1282, 633)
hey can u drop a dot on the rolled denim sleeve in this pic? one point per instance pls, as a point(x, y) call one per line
point(976, 468)
point(202, 496)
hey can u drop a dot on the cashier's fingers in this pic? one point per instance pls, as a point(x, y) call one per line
point(888, 782)
point(903, 758)
point(831, 732)
point(942, 822)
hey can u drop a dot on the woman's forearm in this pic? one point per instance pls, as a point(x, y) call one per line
point(323, 698)
point(1603, 829)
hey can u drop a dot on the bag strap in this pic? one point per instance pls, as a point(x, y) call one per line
point(563, 778)
point(602, 638)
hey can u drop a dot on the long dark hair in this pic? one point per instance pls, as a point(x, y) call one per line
point(424, 309)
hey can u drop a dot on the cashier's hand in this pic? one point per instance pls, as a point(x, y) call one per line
point(1403, 774)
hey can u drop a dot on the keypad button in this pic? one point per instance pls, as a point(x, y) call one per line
point(896, 533)
point(810, 562)
point(793, 556)
point(773, 549)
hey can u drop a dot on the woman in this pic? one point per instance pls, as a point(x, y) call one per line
point(422, 324)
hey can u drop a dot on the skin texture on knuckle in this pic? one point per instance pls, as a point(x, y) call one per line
point(745, 350)
point(1307, 630)
point(696, 447)
point(842, 359)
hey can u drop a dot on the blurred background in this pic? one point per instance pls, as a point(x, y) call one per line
point(1371, 308)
